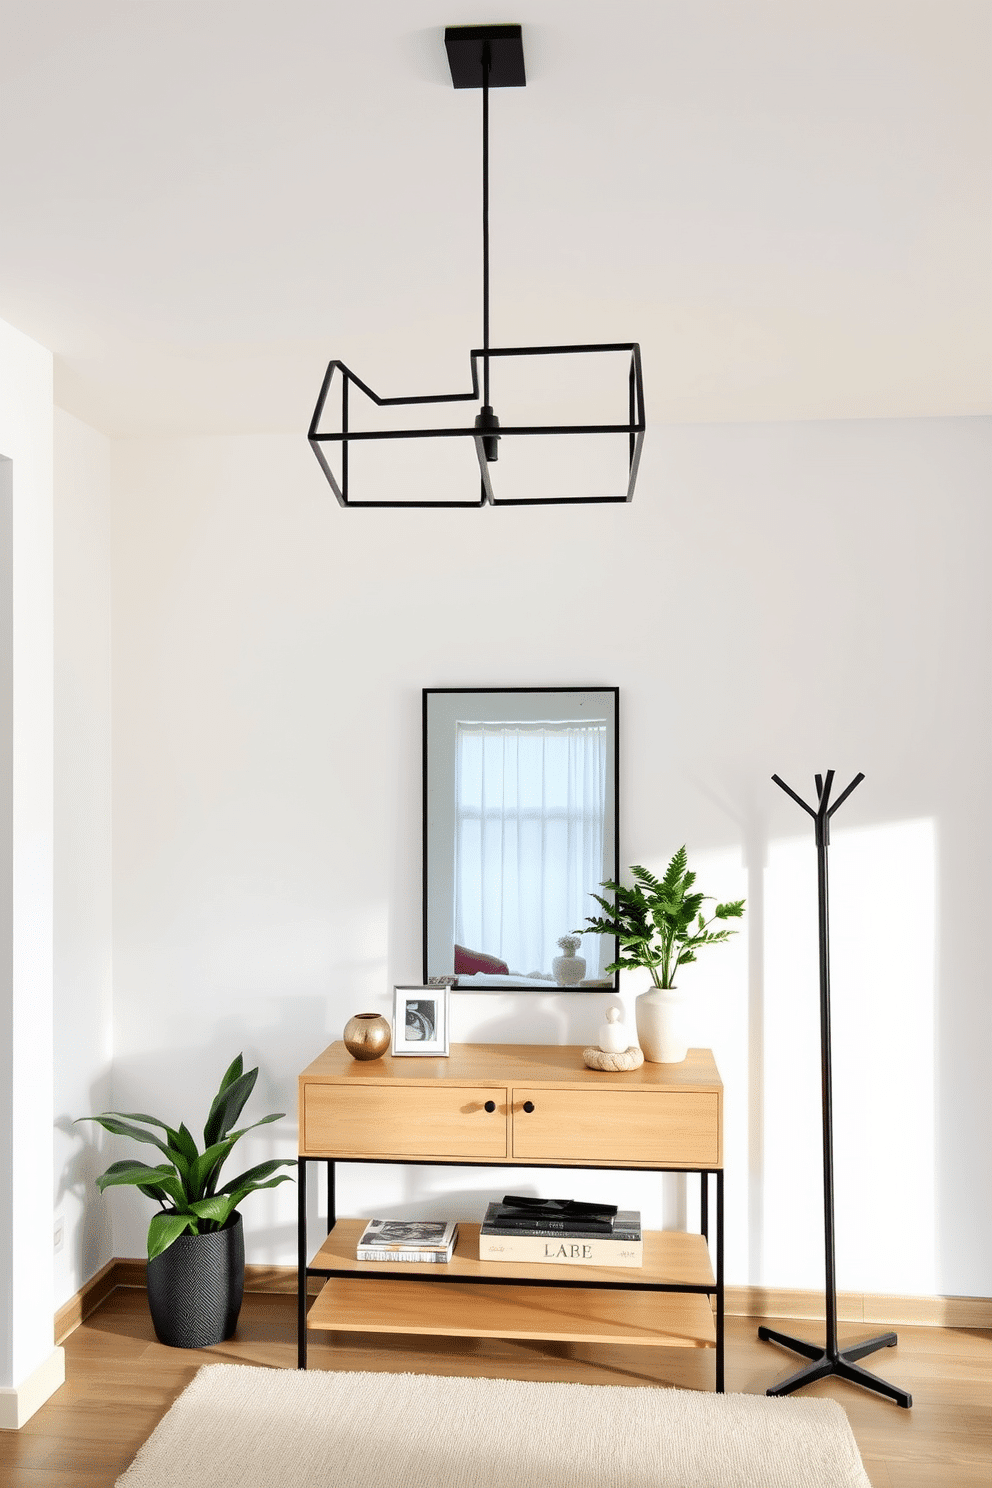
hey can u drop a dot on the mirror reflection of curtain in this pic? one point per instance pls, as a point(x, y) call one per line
point(530, 808)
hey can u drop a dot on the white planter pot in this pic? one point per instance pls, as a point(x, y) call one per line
point(660, 1016)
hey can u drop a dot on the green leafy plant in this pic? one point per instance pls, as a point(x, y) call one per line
point(660, 923)
point(186, 1185)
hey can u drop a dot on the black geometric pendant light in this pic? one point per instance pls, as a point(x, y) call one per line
point(411, 459)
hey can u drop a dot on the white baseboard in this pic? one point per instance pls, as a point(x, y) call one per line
point(18, 1403)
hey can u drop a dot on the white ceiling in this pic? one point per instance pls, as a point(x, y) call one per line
point(788, 202)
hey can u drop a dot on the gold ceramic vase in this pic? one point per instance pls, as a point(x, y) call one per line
point(366, 1036)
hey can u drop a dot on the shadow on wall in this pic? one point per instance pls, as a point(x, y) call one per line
point(158, 1083)
point(533, 1017)
point(86, 1232)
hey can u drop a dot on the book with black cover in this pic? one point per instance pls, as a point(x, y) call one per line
point(625, 1225)
point(523, 1226)
point(557, 1208)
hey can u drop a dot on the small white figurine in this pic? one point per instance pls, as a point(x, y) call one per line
point(614, 1055)
point(612, 1034)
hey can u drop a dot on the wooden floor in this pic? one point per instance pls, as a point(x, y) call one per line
point(120, 1382)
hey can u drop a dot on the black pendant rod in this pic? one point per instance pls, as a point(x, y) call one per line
point(486, 68)
point(486, 419)
point(829, 1360)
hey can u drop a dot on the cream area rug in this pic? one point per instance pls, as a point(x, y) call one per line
point(241, 1427)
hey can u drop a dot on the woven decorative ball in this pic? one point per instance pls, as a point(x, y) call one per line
point(630, 1059)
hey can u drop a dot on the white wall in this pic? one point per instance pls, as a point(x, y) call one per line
point(29, 1367)
point(82, 915)
point(777, 598)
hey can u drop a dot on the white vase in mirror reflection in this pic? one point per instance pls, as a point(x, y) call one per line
point(568, 971)
point(661, 1033)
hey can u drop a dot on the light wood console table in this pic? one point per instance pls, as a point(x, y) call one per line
point(507, 1106)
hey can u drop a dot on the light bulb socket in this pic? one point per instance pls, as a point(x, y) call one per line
point(487, 422)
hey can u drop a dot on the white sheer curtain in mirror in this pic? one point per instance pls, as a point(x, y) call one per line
point(530, 807)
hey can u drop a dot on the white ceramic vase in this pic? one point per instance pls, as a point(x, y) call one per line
point(660, 1015)
point(568, 971)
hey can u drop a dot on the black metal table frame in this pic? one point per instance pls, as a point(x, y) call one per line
point(622, 1284)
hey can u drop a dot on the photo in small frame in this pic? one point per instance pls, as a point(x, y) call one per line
point(420, 1020)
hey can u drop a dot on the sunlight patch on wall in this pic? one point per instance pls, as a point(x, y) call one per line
point(882, 917)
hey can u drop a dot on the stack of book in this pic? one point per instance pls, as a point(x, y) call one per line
point(408, 1240)
point(561, 1232)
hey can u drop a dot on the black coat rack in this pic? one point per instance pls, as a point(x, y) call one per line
point(830, 1359)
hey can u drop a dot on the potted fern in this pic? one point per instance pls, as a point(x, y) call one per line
point(660, 924)
point(196, 1248)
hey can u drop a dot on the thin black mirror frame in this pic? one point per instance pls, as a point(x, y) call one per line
point(614, 692)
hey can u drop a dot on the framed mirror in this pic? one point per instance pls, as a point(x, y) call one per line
point(521, 826)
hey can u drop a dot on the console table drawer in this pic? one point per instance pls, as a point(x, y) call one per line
point(677, 1128)
point(404, 1121)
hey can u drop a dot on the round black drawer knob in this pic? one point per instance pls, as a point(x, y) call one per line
point(490, 1105)
point(528, 1106)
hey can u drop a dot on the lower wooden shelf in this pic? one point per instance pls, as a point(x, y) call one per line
point(365, 1301)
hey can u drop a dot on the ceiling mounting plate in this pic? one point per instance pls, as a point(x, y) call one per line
point(506, 53)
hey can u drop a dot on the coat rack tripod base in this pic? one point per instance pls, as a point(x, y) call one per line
point(830, 1359)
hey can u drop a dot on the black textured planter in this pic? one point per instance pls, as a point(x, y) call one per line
point(195, 1287)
